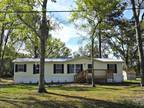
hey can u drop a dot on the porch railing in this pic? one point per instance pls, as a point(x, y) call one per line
point(86, 75)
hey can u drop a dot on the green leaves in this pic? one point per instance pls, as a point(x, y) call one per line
point(56, 48)
point(96, 11)
point(97, 17)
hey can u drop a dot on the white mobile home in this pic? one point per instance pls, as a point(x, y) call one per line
point(60, 70)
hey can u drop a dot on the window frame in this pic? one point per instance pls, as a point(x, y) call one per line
point(36, 68)
point(79, 69)
point(20, 68)
point(59, 70)
point(75, 68)
point(69, 70)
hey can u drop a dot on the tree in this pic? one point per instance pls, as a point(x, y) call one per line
point(4, 36)
point(136, 5)
point(122, 43)
point(32, 45)
point(44, 32)
point(86, 50)
point(41, 28)
point(97, 13)
point(6, 23)
point(54, 47)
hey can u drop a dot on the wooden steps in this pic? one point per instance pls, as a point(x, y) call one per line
point(81, 77)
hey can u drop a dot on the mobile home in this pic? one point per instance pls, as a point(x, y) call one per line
point(61, 70)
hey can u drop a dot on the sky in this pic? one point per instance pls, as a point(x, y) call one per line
point(67, 32)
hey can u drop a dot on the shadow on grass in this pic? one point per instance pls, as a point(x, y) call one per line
point(75, 87)
point(66, 87)
point(77, 102)
point(34, 103)
point(89, 103)
point(19, 86)
point(122, 84)
point(108, 86)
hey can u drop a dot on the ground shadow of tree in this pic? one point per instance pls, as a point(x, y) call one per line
point(121, 84)
point(94, 103)
point(32, 102)
point(82, 102)
point(87, 87)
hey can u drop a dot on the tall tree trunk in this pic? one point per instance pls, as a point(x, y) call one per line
point(1, 50)
point(139, 40)
point(92, 54)
point(92, 60)
point(138, 68)
point(100, 53)
point(43, 37)
point(127, 57)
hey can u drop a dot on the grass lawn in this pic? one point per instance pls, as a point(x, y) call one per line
point(126, 95)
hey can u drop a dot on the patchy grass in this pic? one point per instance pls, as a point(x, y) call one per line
point(126, 95)
point(137, 81)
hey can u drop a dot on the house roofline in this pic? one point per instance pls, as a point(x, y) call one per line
point(60, 60)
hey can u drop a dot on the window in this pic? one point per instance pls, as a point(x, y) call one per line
point(89, 68)
point(35, 68)
point(74, 68)
point(112, 67)
point(20, 68)
point(79, 68)
point(70, 68)
point(58, 68)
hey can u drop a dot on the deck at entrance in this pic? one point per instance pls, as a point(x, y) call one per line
point(100, 75)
